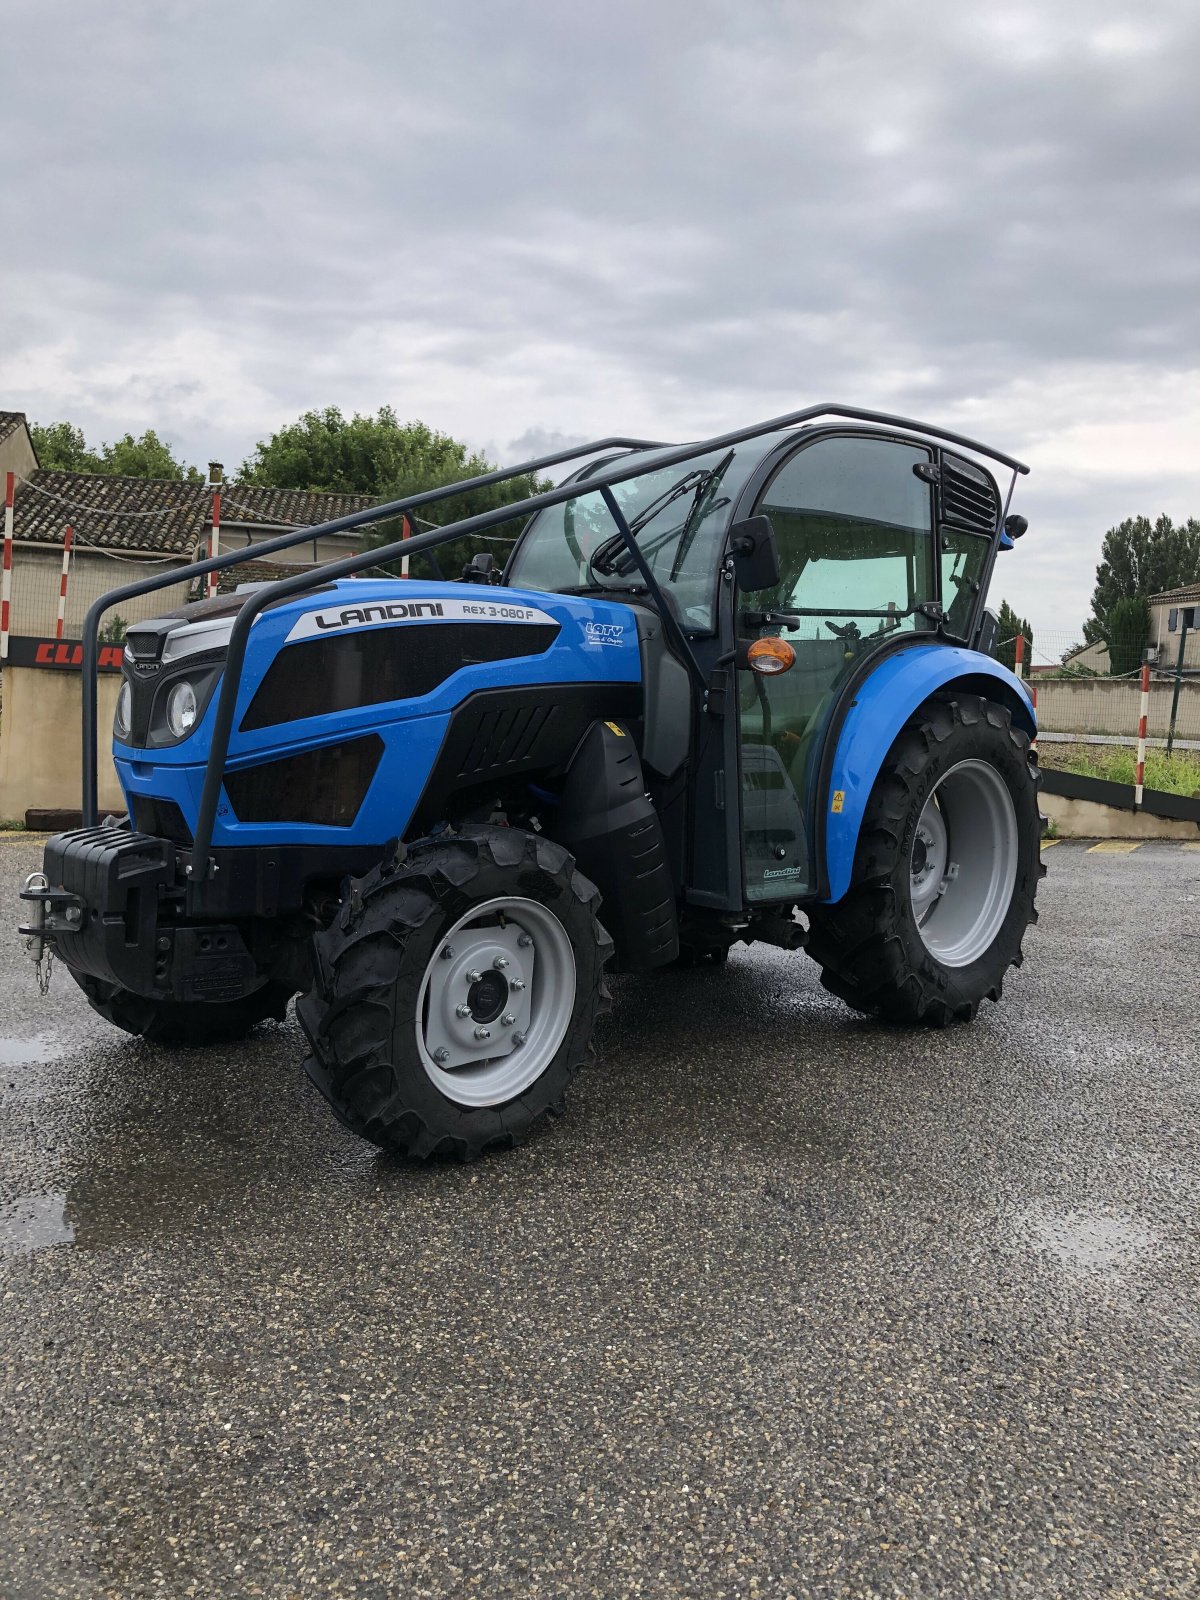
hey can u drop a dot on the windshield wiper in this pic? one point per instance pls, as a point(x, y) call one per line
point(607, 556)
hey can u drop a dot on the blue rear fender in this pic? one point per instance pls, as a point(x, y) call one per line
point(881, 706)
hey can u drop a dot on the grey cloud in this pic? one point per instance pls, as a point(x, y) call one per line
point(531, 221)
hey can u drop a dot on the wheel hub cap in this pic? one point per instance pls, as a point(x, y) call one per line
point(963, 865)
point(472, 981)
point(496, 1001)
point(488, 997)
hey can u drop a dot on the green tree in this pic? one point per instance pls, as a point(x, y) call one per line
point(61, 447)
point(1010, 625)
point(387, 459)
point(147, 457)
point(1126, 633)
point(1140, 557)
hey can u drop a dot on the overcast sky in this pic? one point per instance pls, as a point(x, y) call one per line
point(520, 221)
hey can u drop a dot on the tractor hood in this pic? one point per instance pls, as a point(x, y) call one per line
point(369, 670)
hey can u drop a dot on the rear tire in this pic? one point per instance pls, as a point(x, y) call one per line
point(184, 1022)
point(945, 873)
point(491, 930)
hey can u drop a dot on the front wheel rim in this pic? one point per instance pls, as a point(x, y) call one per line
point(963, 863)
point(496, 1001)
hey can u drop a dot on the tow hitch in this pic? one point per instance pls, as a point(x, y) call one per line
point(54, 911)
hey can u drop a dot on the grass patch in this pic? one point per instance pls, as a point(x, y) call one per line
point(1174, 774)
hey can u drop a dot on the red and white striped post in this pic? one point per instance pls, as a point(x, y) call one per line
point(214, 543)
point(60, 623)
point(1019, 656)
point(405, 533)
point(6, 570)
point(1139, 784)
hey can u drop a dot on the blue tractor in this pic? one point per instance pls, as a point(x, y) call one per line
point(737, 690)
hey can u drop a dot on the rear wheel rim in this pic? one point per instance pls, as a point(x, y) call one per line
point(963, 863)
point(496, 1001)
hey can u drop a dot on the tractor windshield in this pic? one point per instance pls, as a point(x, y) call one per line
point(678, 517)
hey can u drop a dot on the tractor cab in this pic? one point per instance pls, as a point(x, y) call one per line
point(878, 540)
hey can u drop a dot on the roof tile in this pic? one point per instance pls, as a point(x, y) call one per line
point(157, 515)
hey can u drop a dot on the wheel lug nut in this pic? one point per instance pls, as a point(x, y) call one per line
point(447, 952)
point(508, 1019)
point(518, 1038)
point(441, 1053)
point(500, 963)
point(473, 976)
point(463, 1010)
point(483, 1033)
point(525, 941)
point(518, 984)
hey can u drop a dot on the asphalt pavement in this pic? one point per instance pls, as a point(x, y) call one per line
point(789, 1303)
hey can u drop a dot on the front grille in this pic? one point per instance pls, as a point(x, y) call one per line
point(324, 677)
point(503, 737)
point(325, 786)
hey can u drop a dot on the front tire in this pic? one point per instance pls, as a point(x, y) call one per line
point(455, 994)
point(184, 1022)
point(945, 873)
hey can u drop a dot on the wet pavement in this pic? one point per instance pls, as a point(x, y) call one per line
point(790, 1303)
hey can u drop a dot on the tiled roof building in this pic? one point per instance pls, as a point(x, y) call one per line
point(156, 515)
point(123, 524)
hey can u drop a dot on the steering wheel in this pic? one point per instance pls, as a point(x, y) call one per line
point(850, 631)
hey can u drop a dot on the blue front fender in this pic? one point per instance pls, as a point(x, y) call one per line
point(880, 708)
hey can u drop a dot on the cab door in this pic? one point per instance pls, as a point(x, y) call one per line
point(853, 523)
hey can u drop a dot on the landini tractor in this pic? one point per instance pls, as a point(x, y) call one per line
point(741, 689)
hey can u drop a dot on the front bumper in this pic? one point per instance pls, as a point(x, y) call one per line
point(110, 903)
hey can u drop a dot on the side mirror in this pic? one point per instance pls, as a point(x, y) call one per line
point(480, 568)
point(755, 554)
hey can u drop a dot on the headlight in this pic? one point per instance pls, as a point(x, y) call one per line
point(181, 709)
point(124, 709)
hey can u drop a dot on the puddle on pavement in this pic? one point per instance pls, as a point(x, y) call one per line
point(1086, 1242)
point(35, 1222)
point(25, 1052)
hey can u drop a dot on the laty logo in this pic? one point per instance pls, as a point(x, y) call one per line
point(603, 632)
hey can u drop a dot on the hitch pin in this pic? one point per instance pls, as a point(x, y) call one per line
point(43, 957)
point(36, 942)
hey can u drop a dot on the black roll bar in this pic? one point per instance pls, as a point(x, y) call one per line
point(254, 552)
point(617, 472)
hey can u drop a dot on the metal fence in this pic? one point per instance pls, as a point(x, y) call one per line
point(1085, 693)
point(1091, 693)
point(38, 607)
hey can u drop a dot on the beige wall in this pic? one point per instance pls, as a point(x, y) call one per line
point(331, 548)
point(1113, 705)
point(40, 763)
point(16, 455)
point(1084, 819)
point(1093, 658)
point(35, 583)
